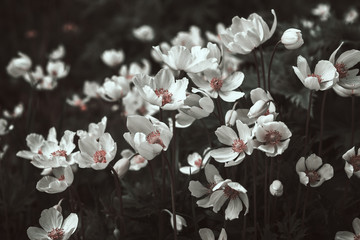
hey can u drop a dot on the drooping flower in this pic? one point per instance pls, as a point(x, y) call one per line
point(239, 114)
point(57, 53)
point(196, 162)
point(276, 188)
point(237, 144)
point(345, 235)
point(114, 88)
point(137, 162)
point(188, 39)
point(235, 193)
point(246, 34)
point(322, 10)
point(292, 39)
point(96, 154)
point(180, 221)
point(263, 104)
point(162, 90)
point(53, 226)
point(144, 33)
point(207, 234)
point(62, 178)
point(215, 85)
point(195, 107)
point(352, 162)
point(19, 66)
point(57, 69)
point(16, 113)
point(272, 137)
point(121, 167)
point(147, 136)
point(113, 58)
point(323, 78)
point(76, 101)
point(312, 171)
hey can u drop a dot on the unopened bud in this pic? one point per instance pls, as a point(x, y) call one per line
point(292, 39)
point(276, 188)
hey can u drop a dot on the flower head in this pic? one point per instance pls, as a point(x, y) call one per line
point(58, 53)
point(112, 57)
point(188, 39)
point(352, 162)
point(62, 178)
point(19, 66)
point(114, 88)
point(196, 162)
point(144, 33)
point(276, 188)
point(322, 10)
point(57, 69)
point(292, 39)
point(345, 235)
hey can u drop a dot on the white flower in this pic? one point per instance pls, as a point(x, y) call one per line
point(57, 69)
point(90, 89)
point(347, 77)
point(112, 57)
point(35, 77)
point(76, 101)
point(113, 89)
point(344, 92)
point(235, 193)
point(323, 78)
point(352, 162)
point(220, 29)
point(137, 162)
point(34, 142)
point(196, 162)
point(148, 137)
point(95, 130)
point(134, 69)
point(191, 61)
point(312, 172)
point(58, 53)
point(292, 39)
point(215, 85)
point(345, 235)
point(351, 16)
point(246, 34)
point(198, 190)
point(134, 103)
point(164, 47)
point(144, 33)
point(94, 153)
point(263, 104)
point(53, 226)
point(17, 112)
point(207, 234)
point(272, 138)
point(322, 10)
point(62, 179)
point(162, 90)
point(121, 167)
point(195, 107)
point(180, 221)
point(5, 128)
point(239, 114)
point(237, 144)
point(19, 66)
point(276, 188)
point(188, 39)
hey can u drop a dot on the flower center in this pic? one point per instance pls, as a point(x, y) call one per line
point(238, 146)
point(198, 162)
point(40, 152)
point(355, 162)
point(61, 178)
point(357, 237)
point(54, 73)
point(216, 84)
point(139, 159)
point(341, 69)
point(56, 234)
point(316, 76)
point(164, 94)
point(272, 137)
point(230, 193)
point(313, 176)
point(99, 156)
point(59, 153)
point(154, 138)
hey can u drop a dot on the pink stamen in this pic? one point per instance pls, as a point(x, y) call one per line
point(99, 156)
point(61, 178)
point(341, 69)
point(230, 193)
point(59, 153)
point(355, 162)
point(272, 137)
point(198, 162)
point(216, 84)
point(313, 176)
point(164, 94)
point(40, 152)
point(316, 76)
point(238, 146)
point(56, 234)
point(154, 138)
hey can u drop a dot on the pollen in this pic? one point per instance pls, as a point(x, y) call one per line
point(154, 138)
point(313, 176)
point(59, 153)
point(99, 156)
point(238, 146)
point(164, 94)
point(272, 137)
point(61, 178)
point(341, 69)
point(56, 234)
point(355, 162)
point(316, 76)
point(198, 162)
point(216, 84)
point(230, 193)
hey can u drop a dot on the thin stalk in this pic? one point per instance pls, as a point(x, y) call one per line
point(171, 174)
point(270, 180)
point(307, 122)
point(352, 119)
point(151, 170)
point(220, 113)
point(322, 122)
point(304, 207)
point(119, 193)
point(207, 133)
point(265, 190)
point(262, 66)
point(29, 111)
point(257, 68)
point(254, 168)
point(245, 181)
point(270, 64)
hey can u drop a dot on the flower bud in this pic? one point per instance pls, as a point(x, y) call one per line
point(292, 39)
point(259, 108)
point(230, 117)
point(122, 166)
point(276, 188)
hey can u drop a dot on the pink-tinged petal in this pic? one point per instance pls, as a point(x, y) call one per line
point(137, 123)
point(233, 209)
point(217, 199)
point(197, 189)
point(210, 173)
point(349, 58)
point(70, 223)
point(35, 233)
point(88, 146)
point(232, 82)
point(224, 154)
point(199, 81)
point(226, 135)
point(193, 158)
point(332, 57)
point(50, 219)
point(206, 234)
point(66, 142)
point(107, 143)
point(34, 142)
point(51, 185)
point(147, 150)
point(313, 162)
point(150, 96)
point(326, 171)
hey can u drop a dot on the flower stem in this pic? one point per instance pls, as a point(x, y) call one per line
point(220, 113)
point(262, 66)
point(322, 122)
point(352, 119)
point(265, 190)
point(257, 68)
point(254, 168)
point(119, 193)
point(270, 64)
point(307, 122)
point(304, 207)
